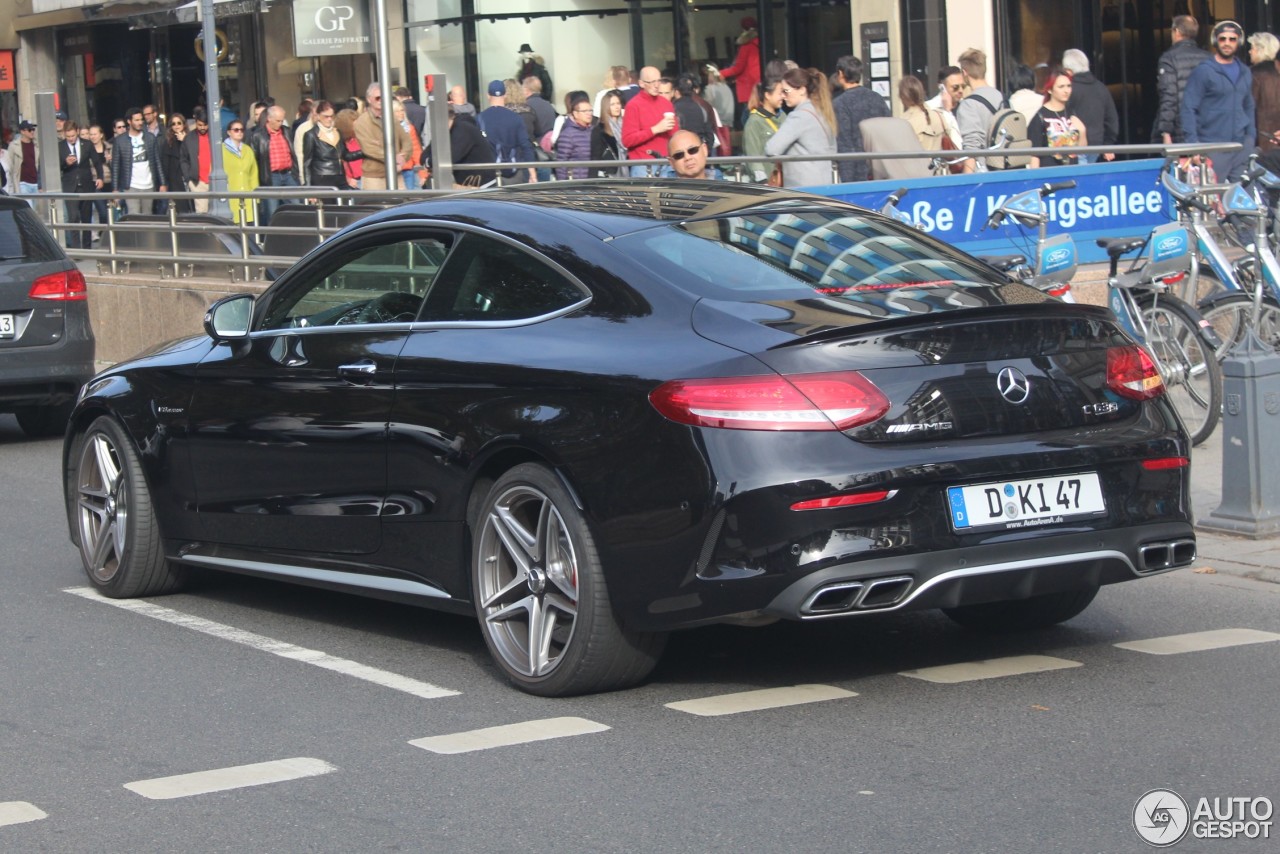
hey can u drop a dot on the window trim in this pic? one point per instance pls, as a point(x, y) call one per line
point(456, 230)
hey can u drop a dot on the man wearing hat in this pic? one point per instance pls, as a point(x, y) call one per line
point(531, 65)
point(746, 67)
point(1218, 103)
point(24, 161)
point(506, 134)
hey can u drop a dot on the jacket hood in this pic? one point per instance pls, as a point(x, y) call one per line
point(747, 37)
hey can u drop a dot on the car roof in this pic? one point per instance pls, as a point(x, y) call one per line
point(614, 207)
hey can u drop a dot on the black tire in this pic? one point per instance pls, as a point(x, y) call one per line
point(1019, 615)
point(1230, 313)
point(1188, 364)
point(115, 524)
point(535, 570)
point(40, 422)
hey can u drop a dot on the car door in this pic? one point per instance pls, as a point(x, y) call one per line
point(289, 429)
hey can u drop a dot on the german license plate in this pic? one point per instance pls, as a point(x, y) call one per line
point(1025, 503)
point(7, 329)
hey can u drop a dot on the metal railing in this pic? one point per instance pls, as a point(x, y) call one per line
point(251, 237)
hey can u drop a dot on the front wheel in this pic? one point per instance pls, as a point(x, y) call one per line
point(1188, 365)
point(116, 527)
point(540, 593)
point(1230, 315)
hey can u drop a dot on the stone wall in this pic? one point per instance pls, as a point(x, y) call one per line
point(131, 313)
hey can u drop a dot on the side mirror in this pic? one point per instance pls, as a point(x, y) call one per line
point(229, 318)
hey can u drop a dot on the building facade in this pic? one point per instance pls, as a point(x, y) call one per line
point(102, 56)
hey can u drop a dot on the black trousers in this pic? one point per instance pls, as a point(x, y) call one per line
point(79, 212)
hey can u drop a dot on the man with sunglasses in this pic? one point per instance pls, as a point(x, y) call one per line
point(687, 158)
point(1218, 104)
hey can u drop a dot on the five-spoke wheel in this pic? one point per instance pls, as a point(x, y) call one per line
point(119, 539)
point(541, 596)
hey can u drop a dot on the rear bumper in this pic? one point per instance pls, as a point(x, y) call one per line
point(989, 573)
point(46, 375)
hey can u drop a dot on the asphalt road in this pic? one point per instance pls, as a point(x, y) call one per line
point(312, 699)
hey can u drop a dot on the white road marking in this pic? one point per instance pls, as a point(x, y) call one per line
point(755, 701)
point(506, 736)
point(385, 678)
point(224, 779)
point(19, 812)
point(1199, 641)
point(995, 668)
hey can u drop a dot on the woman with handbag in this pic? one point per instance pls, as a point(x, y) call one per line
point(100, 159)
point(764, 118)
point(809, 129)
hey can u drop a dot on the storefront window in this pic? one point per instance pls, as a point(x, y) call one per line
point(440, 49)
point(577, 44)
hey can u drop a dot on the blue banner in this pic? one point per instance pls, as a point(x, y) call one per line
point(1110, 200)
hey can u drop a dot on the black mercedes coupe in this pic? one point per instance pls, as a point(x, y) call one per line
point(590, 413)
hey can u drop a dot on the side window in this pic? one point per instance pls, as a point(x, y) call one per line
point(489, 280)
point(383, 283)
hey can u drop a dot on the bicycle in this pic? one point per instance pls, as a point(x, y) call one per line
point(1178, 339)
point(1056, 257)
point(1252, 295)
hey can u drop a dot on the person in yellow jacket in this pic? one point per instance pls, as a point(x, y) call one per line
point(242, 171)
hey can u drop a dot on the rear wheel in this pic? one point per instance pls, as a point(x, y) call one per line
point(119, 537)
point(541, 596)
point(1230, 314)
point(41, 421)
point(1038, 612)
point(1188, 365)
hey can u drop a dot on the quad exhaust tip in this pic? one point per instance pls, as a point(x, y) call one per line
point(1154, 557)
point(847, 596)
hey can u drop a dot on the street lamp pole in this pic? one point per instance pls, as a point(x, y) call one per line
point(381, 46)
point(213, 108)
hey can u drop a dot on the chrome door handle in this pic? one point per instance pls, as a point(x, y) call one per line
point(361, 372)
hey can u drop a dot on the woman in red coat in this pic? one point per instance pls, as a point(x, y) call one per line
point(746, 67)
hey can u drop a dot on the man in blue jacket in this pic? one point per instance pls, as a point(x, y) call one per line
point(1217, 105)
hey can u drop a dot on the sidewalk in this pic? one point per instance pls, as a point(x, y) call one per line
point(1233, 555)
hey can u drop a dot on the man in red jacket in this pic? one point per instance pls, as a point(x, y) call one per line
point(648, 123)
point(746, 67)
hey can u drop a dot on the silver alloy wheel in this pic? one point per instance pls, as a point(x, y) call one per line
point(527, 581)
point(102, 498)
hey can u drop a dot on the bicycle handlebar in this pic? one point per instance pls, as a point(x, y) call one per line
point(1050, 189)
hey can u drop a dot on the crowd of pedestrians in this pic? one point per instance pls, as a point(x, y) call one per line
point(651, 122)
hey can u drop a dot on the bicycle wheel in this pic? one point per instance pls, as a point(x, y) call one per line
point(1229, 315)
point(1188, 366)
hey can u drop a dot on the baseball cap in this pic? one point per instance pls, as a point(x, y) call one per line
point(497, 87)
point(60, 115)
point(1227, 26)
point(26, 125)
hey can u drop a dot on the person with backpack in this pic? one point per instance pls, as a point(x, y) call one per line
point(986, 119)
point(507, 135)
point(1054, 126)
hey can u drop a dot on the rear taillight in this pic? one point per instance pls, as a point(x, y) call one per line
point(829, 401)
point(1131, 373)
point(60, 286)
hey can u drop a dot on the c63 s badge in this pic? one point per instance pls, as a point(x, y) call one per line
point(1105, 408)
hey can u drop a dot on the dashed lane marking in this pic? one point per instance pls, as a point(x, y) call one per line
point(995, 668)
point(315, 657)
point(224, 779)
point(509, 735)
point(19, 812)
point(1199, 641)
point(755, 701)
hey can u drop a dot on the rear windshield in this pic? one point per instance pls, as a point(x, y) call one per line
point(840, 256)
point(24, 238)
